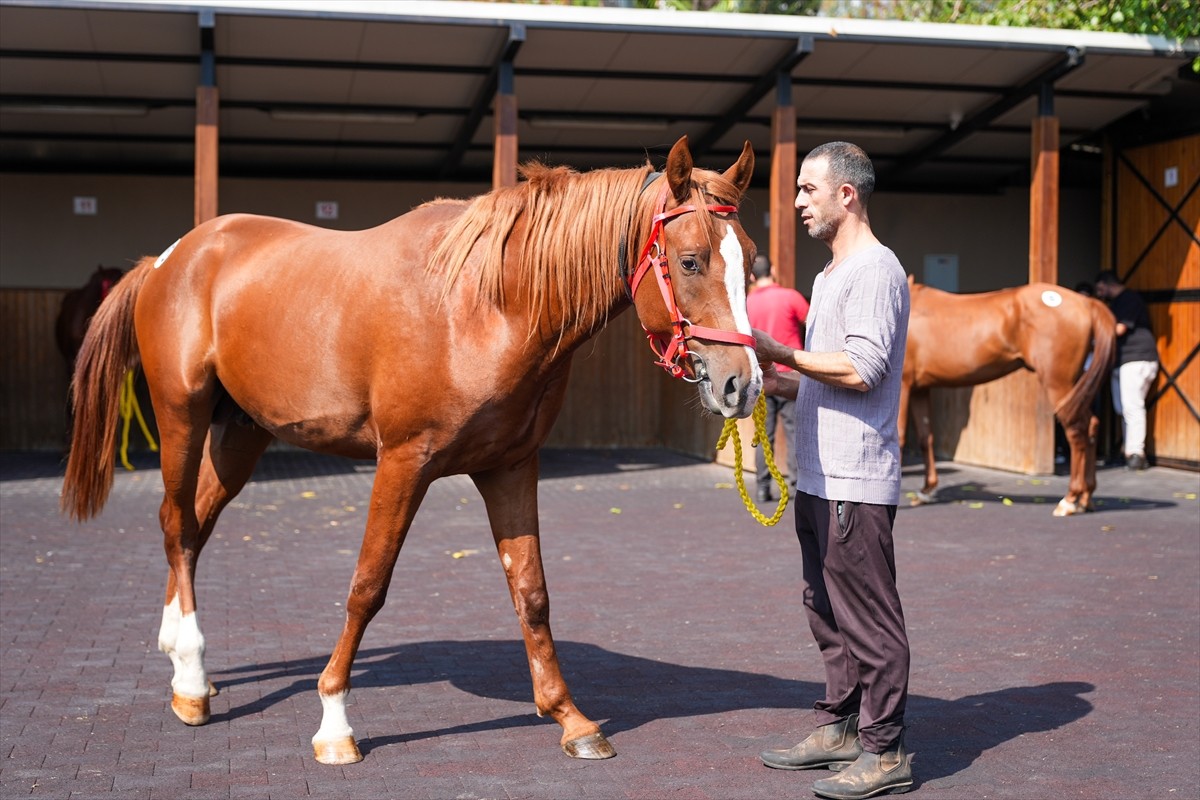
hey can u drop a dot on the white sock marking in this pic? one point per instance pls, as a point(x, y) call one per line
point(334, 724)
point(188, 658)
point(168, 632)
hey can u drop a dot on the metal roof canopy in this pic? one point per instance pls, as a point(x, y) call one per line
point(404, 90)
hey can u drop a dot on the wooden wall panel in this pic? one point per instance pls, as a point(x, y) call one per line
point(1006, 424)
point(33, 377)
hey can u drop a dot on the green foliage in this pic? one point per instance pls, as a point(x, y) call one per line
point(1173, 19)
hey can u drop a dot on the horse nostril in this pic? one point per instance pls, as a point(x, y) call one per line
point(731, 389)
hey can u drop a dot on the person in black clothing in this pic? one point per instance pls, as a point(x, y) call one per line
point(1137, 364)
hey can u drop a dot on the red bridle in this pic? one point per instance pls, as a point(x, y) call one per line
point(673, 350)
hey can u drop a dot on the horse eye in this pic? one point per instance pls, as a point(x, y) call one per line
point(689, 264)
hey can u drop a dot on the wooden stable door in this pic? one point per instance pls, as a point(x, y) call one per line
point(1154, 247)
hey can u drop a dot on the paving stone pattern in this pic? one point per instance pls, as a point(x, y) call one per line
point(1052, 658)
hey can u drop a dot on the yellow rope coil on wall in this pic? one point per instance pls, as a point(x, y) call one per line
point(760, 439)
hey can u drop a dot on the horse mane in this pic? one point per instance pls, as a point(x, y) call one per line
point(574, 227)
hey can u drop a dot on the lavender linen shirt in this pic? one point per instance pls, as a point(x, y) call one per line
point(847, 444)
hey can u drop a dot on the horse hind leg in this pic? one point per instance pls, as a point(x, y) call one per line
point(511, 499)
point(231, 449)
point(1081, 437)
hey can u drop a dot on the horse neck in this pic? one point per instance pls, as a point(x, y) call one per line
point(577, 267)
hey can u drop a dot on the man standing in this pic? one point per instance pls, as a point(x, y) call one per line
point(781, 312)
point(847, 390)
point(1137, 364)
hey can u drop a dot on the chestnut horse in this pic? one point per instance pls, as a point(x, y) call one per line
point(438, 343)
point(968, 339)
point(78, 306)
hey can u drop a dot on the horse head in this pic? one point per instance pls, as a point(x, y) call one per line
point(696, 315)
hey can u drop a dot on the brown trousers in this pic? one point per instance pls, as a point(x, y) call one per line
point(854, 612)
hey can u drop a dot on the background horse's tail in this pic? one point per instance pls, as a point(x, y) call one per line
point(1104, 338)
point(109, 350)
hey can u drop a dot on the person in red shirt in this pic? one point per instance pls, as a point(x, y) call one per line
point(780, 312)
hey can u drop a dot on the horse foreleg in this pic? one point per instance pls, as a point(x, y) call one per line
point(397, 492)
point(511, 498)
point(233, 447)
point(923, 427)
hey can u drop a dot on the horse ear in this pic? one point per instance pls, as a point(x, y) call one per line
point(679, 170)
point(741, 172)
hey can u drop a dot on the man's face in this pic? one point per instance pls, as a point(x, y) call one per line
point(819, 200)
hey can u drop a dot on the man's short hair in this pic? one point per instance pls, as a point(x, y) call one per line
point(848, 163)
point(1108, 278)
point(761, 268)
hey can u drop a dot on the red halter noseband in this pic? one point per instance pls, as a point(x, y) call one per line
point(672, 350)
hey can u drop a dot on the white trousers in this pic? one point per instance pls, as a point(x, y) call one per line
point(1131, 383)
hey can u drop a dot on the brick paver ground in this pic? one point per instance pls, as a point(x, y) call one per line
point(1052, 658)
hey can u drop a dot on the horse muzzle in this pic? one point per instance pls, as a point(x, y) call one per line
point(728, 391)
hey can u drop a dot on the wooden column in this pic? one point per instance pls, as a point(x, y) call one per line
point(1043, 193)
point(782, 232)
point(207, 111)
point(504, 163)
point(207, 107)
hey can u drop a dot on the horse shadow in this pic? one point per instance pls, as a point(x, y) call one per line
point(978, 492)
point(953, 732)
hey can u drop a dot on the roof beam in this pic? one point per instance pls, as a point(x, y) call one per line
point(483, 101)
point(765, 84)
point(1070, 60)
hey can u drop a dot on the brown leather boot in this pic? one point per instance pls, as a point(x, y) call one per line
point(872, 774)
point(834, 746)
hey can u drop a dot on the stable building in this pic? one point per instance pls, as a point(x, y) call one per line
point(1003, 155)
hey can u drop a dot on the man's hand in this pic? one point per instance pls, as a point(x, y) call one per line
point(769, 351)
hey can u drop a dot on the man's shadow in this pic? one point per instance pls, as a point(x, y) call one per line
point(624, 692)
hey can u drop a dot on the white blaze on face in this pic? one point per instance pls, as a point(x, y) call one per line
point(735, 286)
point(735, 279)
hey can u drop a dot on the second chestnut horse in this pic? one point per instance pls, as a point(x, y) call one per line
point(968, 339)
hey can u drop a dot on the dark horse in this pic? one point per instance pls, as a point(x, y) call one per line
point(968, 339)
point(78, 306)
point(438, 343)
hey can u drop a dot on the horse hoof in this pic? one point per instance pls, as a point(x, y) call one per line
point(213, 691)
point(336, 751)
point(924, 498)
point(190, 710)
point(1066, 508)
point(593, 746)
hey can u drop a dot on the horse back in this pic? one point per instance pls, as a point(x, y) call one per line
point(968, 339)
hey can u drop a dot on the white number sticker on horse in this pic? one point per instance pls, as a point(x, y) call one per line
point(1052, 298)
point(166, 253)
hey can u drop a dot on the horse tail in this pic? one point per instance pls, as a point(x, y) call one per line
point(1104, 353)
point(108, 351)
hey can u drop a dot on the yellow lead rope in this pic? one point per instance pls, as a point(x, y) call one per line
point(760, 439)
point(130, 408)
